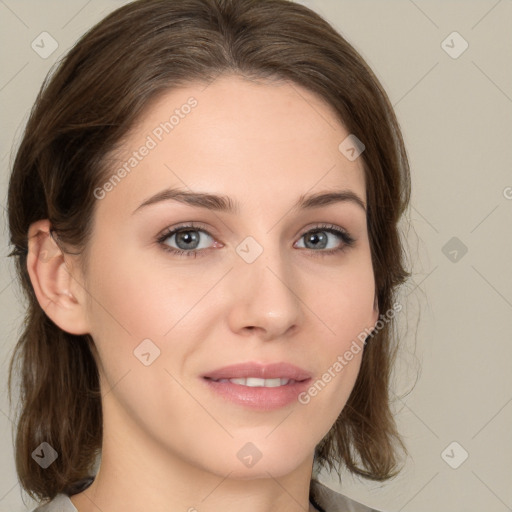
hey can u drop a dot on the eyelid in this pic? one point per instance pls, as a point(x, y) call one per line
point(319, 226)
point(183, 226)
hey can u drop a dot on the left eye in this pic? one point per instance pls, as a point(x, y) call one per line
point(318, 239)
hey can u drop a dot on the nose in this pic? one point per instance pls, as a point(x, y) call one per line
point(266, 297)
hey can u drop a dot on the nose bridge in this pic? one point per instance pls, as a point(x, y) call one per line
point(266, 297)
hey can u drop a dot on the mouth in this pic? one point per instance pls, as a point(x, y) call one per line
point(259, 386)
point(255, 382)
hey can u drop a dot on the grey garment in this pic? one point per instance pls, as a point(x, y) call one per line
point(61, 503)
point(331, 501)
point(327, 499)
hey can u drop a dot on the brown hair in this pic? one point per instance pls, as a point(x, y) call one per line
point(83, 111)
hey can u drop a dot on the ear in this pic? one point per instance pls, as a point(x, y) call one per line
point(57, 289)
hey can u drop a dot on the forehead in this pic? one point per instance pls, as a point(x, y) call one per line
point(258, 142)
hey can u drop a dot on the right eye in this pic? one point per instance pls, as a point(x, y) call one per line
point(186, 237)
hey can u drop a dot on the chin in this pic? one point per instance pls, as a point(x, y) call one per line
point(260, 470)
point(254, 461)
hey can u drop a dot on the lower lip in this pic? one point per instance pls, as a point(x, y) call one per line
point(260, 398)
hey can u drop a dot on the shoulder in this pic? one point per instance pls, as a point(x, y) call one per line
point(61, 503)
point(332, 501)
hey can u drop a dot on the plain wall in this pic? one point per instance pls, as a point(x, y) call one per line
point(456, 116)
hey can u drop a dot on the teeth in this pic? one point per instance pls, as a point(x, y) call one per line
point(254, 382)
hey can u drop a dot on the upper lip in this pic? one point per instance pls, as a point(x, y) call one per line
point(258, 370)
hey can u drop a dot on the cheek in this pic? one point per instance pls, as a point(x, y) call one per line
point(135, 301)
point(138, 299)
point(141, 298)
point(344, 301)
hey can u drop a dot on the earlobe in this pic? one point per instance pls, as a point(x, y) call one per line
point(58, 292)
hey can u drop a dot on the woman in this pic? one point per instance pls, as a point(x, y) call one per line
point(204, 212)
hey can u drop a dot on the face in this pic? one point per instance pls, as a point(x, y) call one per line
point(268, 281)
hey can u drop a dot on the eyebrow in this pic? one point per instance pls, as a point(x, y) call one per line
point(222, 203)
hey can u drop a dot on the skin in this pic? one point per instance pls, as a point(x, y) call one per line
point(169, 442)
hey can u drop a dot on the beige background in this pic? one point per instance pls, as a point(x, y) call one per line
point(456, 116)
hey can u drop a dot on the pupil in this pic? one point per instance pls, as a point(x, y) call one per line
point(187, 237)
point(317, 237)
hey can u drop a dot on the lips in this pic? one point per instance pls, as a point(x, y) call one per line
point(259, 371)
point(257, 386)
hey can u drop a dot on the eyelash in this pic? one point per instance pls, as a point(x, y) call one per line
point(348, 241)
